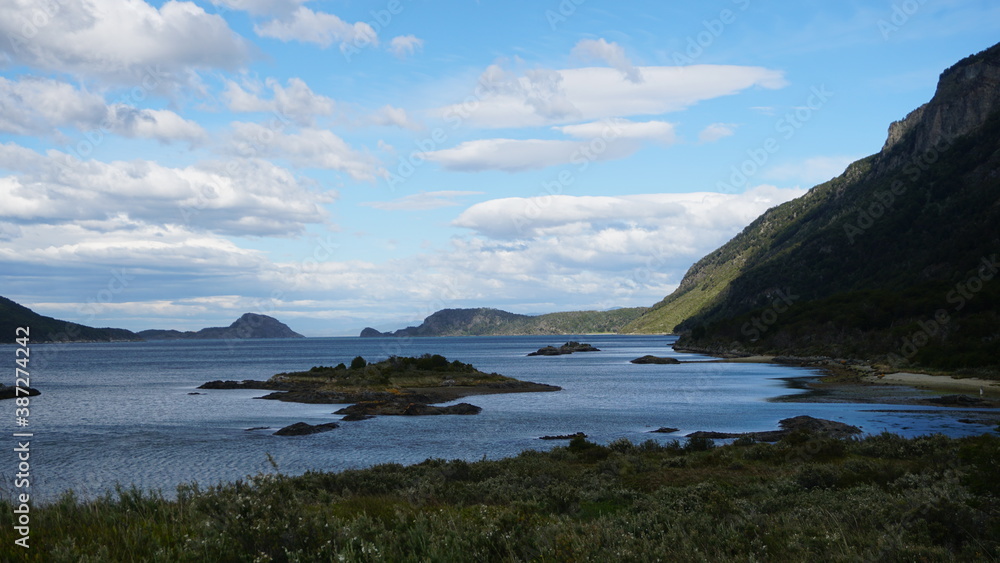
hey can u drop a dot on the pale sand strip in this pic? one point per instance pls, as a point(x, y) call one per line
point(941, 382)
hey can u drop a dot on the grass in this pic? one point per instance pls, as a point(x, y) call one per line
point(805, 498)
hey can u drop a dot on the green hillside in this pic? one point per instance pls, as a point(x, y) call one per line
point(894, 258)
point(494, 322)
point(48, 329)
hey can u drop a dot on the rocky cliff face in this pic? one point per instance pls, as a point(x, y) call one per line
point(867, 256)
point(967, 93)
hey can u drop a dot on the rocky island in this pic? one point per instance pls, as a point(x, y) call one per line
point(567, 348)
point(396, 386)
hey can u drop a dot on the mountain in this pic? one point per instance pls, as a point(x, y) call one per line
point(893, 259)
point(250, 325)
point(494, 322)
point(48, 329)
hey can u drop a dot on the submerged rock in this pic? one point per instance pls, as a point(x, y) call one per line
point(564, 436)
point(665, 430)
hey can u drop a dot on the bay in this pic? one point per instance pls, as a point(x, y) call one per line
point(123, 414)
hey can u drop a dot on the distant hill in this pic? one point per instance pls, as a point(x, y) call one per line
point(494, 322)
point(250, 325)
point(48, 329)
point(895, 258)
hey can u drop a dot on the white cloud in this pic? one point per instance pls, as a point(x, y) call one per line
point(125, 42)
point(238, 197)
point(296, 101)
point(515, 155)
point(403, 45)
point(811, 171)
point(694, 213)
point(547, 97)
point(422, 201)
point(716, 131)
point(311, 148)
point(319, 28)
point(44, 105)
point(611, 53)
point(396, 117)
point(616, 128)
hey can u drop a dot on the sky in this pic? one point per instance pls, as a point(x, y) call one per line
point(343, 164)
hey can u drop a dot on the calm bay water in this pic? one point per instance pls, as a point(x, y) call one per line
point(122, 413)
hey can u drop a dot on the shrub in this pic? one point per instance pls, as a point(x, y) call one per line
point(358, 363)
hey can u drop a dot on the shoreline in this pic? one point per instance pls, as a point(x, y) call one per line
point(863, 381)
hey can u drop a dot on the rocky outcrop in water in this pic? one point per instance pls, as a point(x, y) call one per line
point(815, 426)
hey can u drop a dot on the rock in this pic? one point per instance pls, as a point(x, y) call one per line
point(567, 348)
point(245, 384)
point(10, 392)
point(405, 408)
point(564, 436)
point(193, 393)
point(370, 332)
point(356, 416)
point(303, 428)
point(818, 426)
point(665, 430)
point(256, 428)
point(648, 359)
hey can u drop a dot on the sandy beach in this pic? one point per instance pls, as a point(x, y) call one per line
point(937, 382)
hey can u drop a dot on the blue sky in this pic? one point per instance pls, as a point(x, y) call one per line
point(342, 164)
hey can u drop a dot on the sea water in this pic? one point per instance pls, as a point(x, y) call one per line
point(124, 414)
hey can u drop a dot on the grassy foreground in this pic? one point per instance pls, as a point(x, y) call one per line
point(806, 498)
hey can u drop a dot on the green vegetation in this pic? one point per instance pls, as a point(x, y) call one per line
point(870, 257)
point(494, 322)
point(48, 329)
point(395, 374)
point(882, 498)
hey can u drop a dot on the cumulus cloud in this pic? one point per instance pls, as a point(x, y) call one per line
point(403, 45)
point(237, 197)
point(319, 28)
point(295, 101)
point(716, 131)
point(422, 201)
point(396, 117)
point(310, 148)
point(611, 53)
point(121, 42)
point(44, 105)
point(539, 97)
